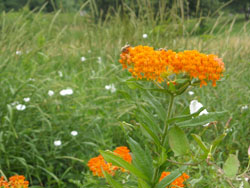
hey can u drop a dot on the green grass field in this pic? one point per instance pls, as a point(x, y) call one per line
point(41, 52)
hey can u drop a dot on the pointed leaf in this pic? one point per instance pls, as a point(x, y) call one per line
point(141, 159)
point(217, 141)
point(142, 184)
point(231, 166)
point(111, 181)
point(118, 161)
point(178, 141)
point(151, 134)
point(202, 120)
point(185, 117)
point(198, 140)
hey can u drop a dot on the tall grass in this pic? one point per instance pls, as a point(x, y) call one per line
point(53, 43)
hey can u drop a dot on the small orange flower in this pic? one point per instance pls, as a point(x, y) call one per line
point(143, 62)
point(96, 164)
point(177, 182)
point(16, 181)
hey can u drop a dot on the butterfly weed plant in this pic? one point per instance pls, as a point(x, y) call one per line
point(152, 165)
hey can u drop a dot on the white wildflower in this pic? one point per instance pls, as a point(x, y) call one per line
point(57, 143)
point(145, 36)
point(108, 87)
point(99, 59)
point(89, 51)
point(60, 73)
point(27, 99)
point(65, 92)
point(51, 93)
point(18, 52)
point(83, 59)
point(111, 87)
point(245, 107)
point(195, 106)
point(20, 107)
point(31, 79)
point(74, 133)
point(191, 93)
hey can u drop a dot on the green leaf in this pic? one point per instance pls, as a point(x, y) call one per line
point(172, 87)
point(148, 120)
point(217, 141)
point(178, 141)
point(151, 134)
point(111, 181)
point(157, 105)
point(118, 161)
point(142, 184)
point(170, 178)
point(246, 184)
point(133, 85)
point(141, 159)
point(202, 120)
point(185, 117)
point(198, 140)
point(231, 166)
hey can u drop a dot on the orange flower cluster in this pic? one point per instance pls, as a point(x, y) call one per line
point(177, 182)
point(14, 182)
point(98, 163)
point(145, 62)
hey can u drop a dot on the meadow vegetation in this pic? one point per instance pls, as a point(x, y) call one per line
point(41, 52)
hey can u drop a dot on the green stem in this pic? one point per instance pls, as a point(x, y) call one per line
point(166, 125)
point(165, 131)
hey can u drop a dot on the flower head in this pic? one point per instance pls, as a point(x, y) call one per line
point(65, 92)
point(17, 181)
point(50, 93)
point(177, 182)
point(74, 133)
point(145, 36)
point(143, 62)
point(83, 59)
point(98, 163)
point(20, 107)
point(27, 99)
point(57, 142)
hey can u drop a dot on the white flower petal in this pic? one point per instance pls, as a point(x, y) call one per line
point(194, 106)
point(108, 87)
point(60, 73)
point(27, 99)
point(83, 59)
point(245, 107)
point(57, 142)
point(145, 35)
point(20, 107)
point(51, 93)
point(191, 93)
point(203, 112)
point(18, 52)
point(113, 89)
point(67, 91)
point(74, 133)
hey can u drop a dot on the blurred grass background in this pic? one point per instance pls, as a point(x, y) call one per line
point(55, 42)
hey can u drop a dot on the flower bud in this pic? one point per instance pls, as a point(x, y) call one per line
point(249, 152)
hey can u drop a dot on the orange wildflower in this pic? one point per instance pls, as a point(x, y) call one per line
point(96, 164)
point(177, 182)
point(144, 62)
point(16, 181)
point(3, 183)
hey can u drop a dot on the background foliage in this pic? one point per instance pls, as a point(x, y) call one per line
point(55, 42)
